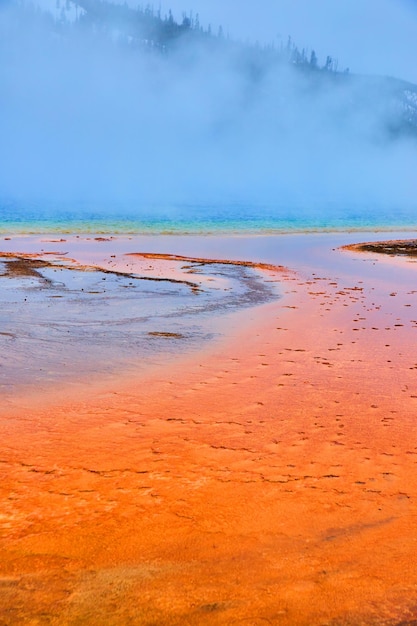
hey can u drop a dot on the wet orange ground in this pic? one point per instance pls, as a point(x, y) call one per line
point(269, 480)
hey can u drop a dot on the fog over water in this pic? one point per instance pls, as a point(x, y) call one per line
point(86, 120)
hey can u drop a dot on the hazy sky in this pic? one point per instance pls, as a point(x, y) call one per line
point(84, 119)
point(369, 36)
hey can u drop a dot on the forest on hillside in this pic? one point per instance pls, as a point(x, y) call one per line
point(146, 29)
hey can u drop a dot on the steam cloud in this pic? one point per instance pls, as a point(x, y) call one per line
point(87, 120)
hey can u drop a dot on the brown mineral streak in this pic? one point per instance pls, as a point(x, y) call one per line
point(204, 261)
point(269, 480)
point(28, 264)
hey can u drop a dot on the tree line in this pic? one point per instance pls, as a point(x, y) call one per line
point(145, 27)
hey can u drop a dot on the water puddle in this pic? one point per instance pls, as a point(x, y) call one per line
point(60, 322)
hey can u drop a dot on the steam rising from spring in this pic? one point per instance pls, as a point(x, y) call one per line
point(88, 118)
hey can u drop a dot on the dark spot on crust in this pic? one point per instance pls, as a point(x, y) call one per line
point(402, 247)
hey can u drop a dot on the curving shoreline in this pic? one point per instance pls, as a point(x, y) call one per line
point(91, 319)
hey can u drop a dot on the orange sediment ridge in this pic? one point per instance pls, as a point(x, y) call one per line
point(205, 261)
point(270, 479)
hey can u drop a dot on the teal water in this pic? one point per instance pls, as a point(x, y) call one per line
point(131, 218)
